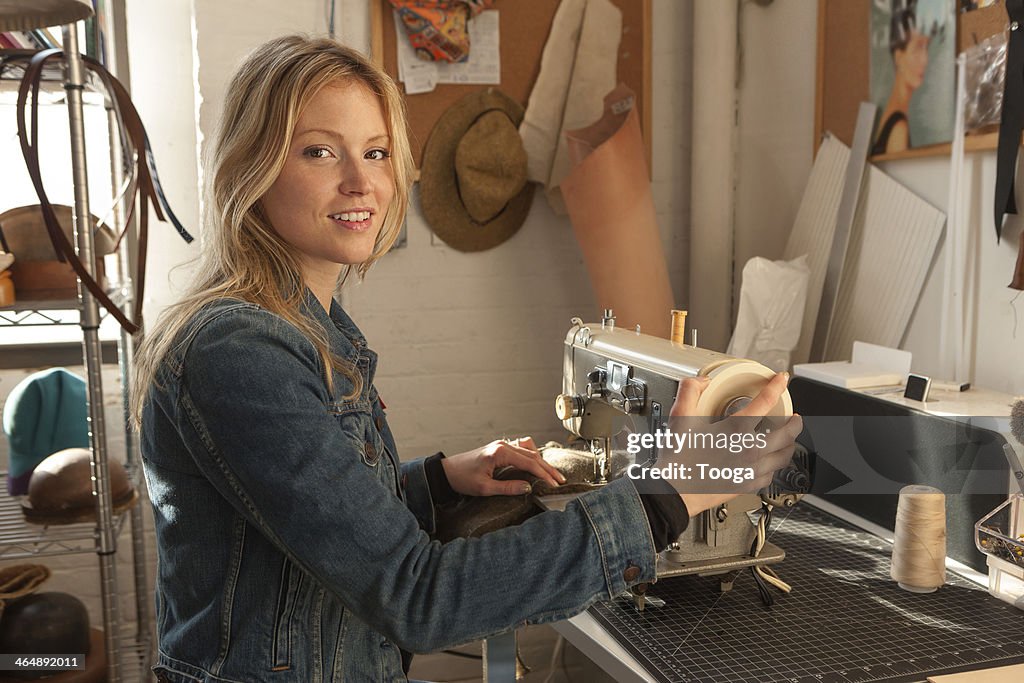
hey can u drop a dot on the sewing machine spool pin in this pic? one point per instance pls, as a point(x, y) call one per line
point(608, 320)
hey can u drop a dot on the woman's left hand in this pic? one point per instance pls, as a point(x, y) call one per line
point(472, 473)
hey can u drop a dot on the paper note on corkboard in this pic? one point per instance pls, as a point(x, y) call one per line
point(524, 30)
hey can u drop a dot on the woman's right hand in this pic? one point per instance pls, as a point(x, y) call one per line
point(779, 443)
point(472, 473)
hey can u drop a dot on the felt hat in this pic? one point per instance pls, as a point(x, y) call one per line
point(473, 186)
point(46, 412)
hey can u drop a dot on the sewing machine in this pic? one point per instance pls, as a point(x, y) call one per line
point(617, 382)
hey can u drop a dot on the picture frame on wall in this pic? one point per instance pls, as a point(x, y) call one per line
point(913, 73)
point(855, 64)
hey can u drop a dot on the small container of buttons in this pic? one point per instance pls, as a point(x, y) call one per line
point(1000, 535)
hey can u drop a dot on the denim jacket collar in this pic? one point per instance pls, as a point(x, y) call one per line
point(345, 337)
point(337, 319)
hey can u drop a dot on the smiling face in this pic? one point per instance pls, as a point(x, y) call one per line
point(912, 61)
point(337, 183)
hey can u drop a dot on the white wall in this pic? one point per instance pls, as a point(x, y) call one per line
point(998, 330)
point(775, 129)
point(226, 30)
point(775, 121)
point(161, 51)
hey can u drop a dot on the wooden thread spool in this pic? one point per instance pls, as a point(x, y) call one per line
point(6, 289)
point(678, 326)
point(919, 548)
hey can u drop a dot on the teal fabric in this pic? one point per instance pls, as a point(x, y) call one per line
point(45, 413)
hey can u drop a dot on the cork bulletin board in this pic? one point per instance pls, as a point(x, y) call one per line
point(844, 69)
point(524, 27)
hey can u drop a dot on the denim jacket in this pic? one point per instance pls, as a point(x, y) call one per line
point(294, 546)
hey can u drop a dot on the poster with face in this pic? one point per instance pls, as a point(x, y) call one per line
point(913, 73)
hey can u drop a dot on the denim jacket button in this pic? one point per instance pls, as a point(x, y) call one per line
point(631, 574)
point(371, 451)
point(379, 421)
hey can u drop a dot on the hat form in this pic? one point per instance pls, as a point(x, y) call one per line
point(61, 490)
point(473, 183)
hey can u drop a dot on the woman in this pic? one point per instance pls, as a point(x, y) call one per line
point(909, 49)
point(293, 546)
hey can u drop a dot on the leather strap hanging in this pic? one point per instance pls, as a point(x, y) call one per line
point(1012, 121)
point(148, 184)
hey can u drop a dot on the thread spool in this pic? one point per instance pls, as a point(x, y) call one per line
point(678, 326)
point(919, 548)
point(6, 288)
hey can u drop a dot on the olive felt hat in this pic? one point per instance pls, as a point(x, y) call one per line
point(473, 185)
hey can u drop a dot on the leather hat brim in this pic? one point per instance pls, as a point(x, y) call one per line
point(77, 514)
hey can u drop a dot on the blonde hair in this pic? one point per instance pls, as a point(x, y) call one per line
point(243, 255)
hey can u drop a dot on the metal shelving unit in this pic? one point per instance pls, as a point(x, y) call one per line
point(49, 312)
point(128, 650)
point(20, 539)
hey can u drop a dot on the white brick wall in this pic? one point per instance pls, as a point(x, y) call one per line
point(470, 344)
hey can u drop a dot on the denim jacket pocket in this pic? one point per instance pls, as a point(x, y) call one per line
point(289, 588)
point(354, 419)
point(371, 453)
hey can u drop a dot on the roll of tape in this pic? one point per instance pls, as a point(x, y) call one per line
point(734, 380)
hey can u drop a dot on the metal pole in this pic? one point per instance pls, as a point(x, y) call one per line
point(125, 358)
point(90, 319)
